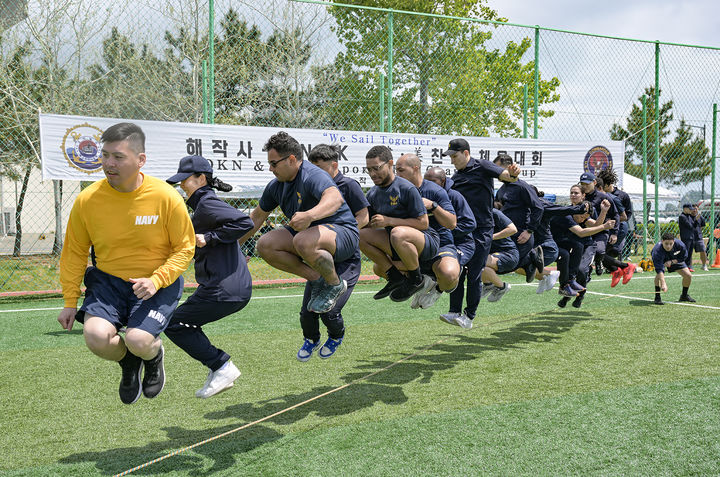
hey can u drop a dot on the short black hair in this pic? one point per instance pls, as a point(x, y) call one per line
point(503, 159)
point(599, 182)
point(284, 144)
point(668, 236)
point(382, 152)
point(129, 132)
point(324, 152)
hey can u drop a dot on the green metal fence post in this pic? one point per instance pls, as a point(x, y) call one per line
point(205, 91)
point(382, 102)
point(537, 81)
point(211, 35)
point(713, 193)
point(525, 106)
point(657, 140)
point(390, 72)
point(644, 165)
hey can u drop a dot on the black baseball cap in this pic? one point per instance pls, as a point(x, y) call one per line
point(190, 165)
point(456, 145)
point(587, 177)
point(688, 205)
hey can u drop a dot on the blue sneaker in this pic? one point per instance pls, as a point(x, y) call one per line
point(329, 348)
point(566, 290)
point(306, 350)
point(327, 297)
point(575, 285)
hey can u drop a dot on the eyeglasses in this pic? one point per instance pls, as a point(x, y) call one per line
point(376, 168)
point(274, 164)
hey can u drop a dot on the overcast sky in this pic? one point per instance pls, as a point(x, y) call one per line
point(695, 22)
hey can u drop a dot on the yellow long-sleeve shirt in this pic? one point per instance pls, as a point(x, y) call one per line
point(146, 233)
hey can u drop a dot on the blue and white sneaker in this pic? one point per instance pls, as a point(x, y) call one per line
point(307, 350)
point(329, 348)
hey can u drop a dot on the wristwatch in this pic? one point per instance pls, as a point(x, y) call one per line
point(433, 206)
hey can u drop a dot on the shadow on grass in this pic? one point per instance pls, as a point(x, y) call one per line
point(642, 303)
point(362, 392)
point(64, 332)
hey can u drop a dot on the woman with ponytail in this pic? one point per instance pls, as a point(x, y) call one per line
point(224, 283)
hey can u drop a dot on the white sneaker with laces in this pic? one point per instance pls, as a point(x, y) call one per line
point(705, 268)
point(548, 282)
point(222, 379)
point(200, 391)
point(450, 318)
point(464, 322)
point(542, 285)
point(428, 299)
point(428, 286)
point(498, 293)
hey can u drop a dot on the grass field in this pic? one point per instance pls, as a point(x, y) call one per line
point(618, 387)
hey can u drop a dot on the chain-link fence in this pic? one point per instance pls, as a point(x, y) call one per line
point(301, 64)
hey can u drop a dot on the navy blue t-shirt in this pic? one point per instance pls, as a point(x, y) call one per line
point(431, 191)
point(465, 218)
point(596, 197)
point(351, 192)
point(521, 204)
point(625, 200)
point(560, 228)
point(302, 194)
point(501, 222)
point(660, 255)
point(401, 200)
point(476, 183)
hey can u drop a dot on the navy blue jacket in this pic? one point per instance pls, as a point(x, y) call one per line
point(521, 204)
point(660, 255)
point(596, 197)
point(625, 200)
point(476, 183)
point(220, 266)
point(465, 218)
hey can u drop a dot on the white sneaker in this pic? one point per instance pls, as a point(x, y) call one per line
point(450, 318)
point(542, 285)
point(428, 299)
point(428, 285)
point(200, 391)
point(464, 322)
point(705, 268)
point(485, 290)
point(222, 379)
point(548, 282)
point(498, 293)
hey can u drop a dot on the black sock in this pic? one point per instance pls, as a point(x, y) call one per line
point(415, 276)
point(685, 290)
point(657, 293)
point(394, 275)
point(129, 359)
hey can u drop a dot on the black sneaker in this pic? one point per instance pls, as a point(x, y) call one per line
point(154, 380)
point(687, 298)
point(563, 301)
point(530, 268)
point(599, 269)
point(577, 302)
point(130, 387)
point(408, 289)
point(385, 291)
point(658, 301)
point(539, 258)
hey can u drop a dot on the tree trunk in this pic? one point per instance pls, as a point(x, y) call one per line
point(18, 213)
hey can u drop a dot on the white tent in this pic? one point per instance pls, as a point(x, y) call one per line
point(634, 187)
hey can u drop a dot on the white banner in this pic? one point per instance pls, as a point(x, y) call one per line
point(71, 151)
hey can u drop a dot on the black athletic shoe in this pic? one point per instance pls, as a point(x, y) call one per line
point(658, 301)
point(154, 380)
point(385, 291)
point(408, 289)
point(599, 269)
point(539, 258)
point(687, 298)
point(563, 301)
point(577, 302)
point(130, 387)
point(530, 268)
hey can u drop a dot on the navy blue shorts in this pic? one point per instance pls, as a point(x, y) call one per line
point(697, 246)
point(675, 267)
point(113, 299)
point(444, 251)
point(507, 261)
point(430, 249)
point(465, 250)
point(347, 240)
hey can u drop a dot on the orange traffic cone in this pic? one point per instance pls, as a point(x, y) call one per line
point(717, 260)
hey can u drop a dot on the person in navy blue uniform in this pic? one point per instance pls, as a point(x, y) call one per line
point(326, 157)
point(224, 283)
point(521, 204)
point(691, 233)
point(610, 180)
point(670, 254)
point(465, 225)
point(321, 230)
point(504, 258)
point(474, 179)
point(399, 233)
point(619, 270)
point(444, 266)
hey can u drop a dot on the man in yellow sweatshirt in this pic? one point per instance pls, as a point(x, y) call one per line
point(140, 239)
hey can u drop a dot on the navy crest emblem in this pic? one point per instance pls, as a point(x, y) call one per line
point(597, 159)
point(81, 147)
point(394, 199)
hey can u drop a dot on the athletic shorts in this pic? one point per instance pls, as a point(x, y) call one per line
point(506, 261)
point(675, 267)
point(347, 240)
point(465, 250)
point(697, 246)
point(113, 299)
point(432, 244)
point(444, 251)
point(550, 251)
